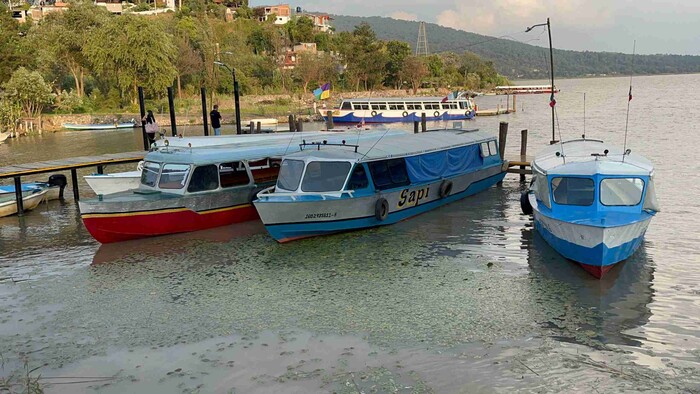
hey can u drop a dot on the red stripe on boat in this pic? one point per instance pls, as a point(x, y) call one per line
point(597, 271)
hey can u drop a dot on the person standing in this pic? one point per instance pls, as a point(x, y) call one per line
point(151, 127)
point(215, 120)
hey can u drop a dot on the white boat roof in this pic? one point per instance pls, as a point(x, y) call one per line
point(216, 140)
point(255, 150)
point(402, 99)
point(587, 157)
point(392, 146)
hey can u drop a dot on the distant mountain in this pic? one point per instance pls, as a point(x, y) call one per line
point(517, 60)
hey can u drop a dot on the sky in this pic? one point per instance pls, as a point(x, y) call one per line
point(658, 26)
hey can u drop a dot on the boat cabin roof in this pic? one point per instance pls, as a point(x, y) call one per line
point(587, 157)
point(402, 99)
point(392, 146)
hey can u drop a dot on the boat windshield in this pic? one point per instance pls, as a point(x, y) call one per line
point(573, 191)
point(149, 174)
point(174, 176)
point(290, 174)
point(621, 191)
point(325, 176)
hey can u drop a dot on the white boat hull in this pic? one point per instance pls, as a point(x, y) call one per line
point(114, 183)
point(29, 202)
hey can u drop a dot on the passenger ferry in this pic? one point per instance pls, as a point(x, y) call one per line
point(329, 188)
point(591, 202)
point(189, 189)
point(409, 109)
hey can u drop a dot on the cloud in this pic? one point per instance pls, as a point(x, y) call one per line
point(407, 16)
point(496, 17)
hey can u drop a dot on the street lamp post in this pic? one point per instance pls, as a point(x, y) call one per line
point(551, 68)
point(236, 97)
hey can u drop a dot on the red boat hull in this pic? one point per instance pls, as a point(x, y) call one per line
point(117, 227)
point(597, 271)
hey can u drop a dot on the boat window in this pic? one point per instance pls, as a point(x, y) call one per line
point(462, 105)
point(396, 106)
point(573, 191)
point(414, 106)
point(379, 106)
point(325, 176)
point(290, 174)
point(621, 191)
point(204, 178)
point(389, 174)
point(432, 105)
point(492, 148)
point(149, 174)
point(234, 174)
point(485, 149)
point(346, 106)
point(174, 176)
point(358, 179)
point(364, 106)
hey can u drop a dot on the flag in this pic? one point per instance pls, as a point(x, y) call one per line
point(630, 96)
point(552, 101)
point(323, 92)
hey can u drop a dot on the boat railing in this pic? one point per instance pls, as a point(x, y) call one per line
point(270, 193)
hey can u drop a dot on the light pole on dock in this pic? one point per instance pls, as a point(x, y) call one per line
point(551, 68)
point(236, 98)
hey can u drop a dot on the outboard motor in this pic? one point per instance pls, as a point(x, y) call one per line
point(59, 180)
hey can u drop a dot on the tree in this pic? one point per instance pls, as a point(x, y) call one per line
point(414, 70)
point(366, 57)
point(300, 29)
point(29, 90)
point(12, 53)
point(397, 52)
point(62, 38)
point(188, 61)
point(133, 51)
point(314, 67)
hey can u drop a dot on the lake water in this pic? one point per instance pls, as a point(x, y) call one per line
point(467, 298)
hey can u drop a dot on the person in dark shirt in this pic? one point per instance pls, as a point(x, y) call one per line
point(215, 120)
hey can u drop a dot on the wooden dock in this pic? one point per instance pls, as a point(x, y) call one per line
point(17, 171)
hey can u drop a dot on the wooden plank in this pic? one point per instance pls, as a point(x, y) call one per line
point(519, 171)
point(70, 163)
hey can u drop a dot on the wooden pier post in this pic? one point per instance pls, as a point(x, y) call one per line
point(251, 127)
point(203, 92)
point(423, 126)
point(523, 150)
point(300, 125)
point(258, 127)
point(74, 181)
point(100, 169)
point(515, 109)
point(329, 120)
point(415, 127)
point(171, 108)
point(502, 137)
point(18, 196)
point(142, 108)
point(291, 123)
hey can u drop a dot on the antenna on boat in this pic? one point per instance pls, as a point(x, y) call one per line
point(552, 101)
point(629, 99)
point(584, 116)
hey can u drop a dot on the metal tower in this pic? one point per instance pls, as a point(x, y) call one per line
point(422, 44)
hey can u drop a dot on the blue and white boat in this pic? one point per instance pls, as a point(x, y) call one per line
point(328, 188)
point(591, 202)
point(54, 187)
point(408, 109)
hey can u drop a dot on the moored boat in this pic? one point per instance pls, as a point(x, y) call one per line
point(592, 202)
point(100, 126)
point(408, 109)
point(30, 200)
point(54, 187)
point(186, 189)
point(329, 188)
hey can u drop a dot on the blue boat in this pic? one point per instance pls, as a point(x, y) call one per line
point(387, 110)
point(100, 126)
point(329, 188)
point(591, 202)
point(55, 186)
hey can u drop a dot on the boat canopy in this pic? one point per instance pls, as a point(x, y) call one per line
point(588, 157)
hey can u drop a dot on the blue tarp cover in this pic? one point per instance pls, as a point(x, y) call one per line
point(436, 165)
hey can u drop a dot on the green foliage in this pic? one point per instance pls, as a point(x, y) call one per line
point(10, 115)
point(133, 51)
point(13, 53)
point(29, 90)
point(397, 52)
point(300, 29)
point(69, 102)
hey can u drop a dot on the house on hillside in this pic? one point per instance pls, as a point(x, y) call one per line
point(281, 13)
point(322, 22)
point(291, 57)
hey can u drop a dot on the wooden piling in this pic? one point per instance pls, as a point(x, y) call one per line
point(300, 125)
point(142, 108)
point(171, 109)
point(205, 120)
point(523, 149)
point(423, 125)
point(74, 181)
point(502, 137)
point(415, 127)
point(329, 120)
point(251, 127)
point(100, 170)
point(258, 127)
point(291, 123)
point(514, 106)
point(18, 196)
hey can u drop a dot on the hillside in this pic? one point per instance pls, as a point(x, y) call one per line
point(517, 60)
